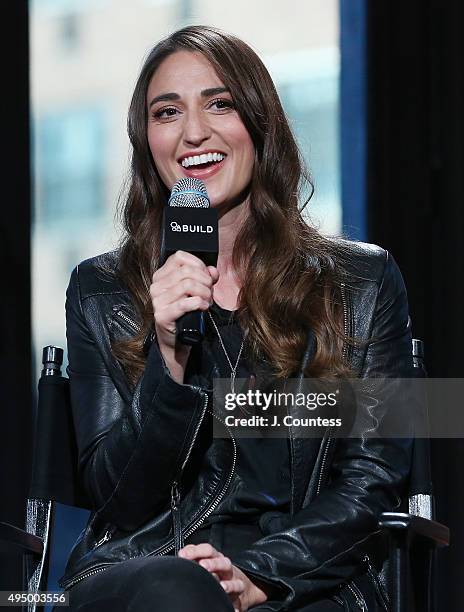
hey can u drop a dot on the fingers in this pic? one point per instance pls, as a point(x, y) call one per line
point(167, 315)
point(185, 289)
point(220, 565)
point(163, 279)
point(216, 563)
point(214, 273)
point(233, 587)
point(194, 552)
point(183, 284)
point(181, 259)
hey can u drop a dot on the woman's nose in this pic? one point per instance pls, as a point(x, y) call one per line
point(196, 129)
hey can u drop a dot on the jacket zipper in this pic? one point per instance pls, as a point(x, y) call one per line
point(169, 546)
point(105, 538)
point(176, 520)
point(175, 488)
point(346, 329)
point(94, 570)
point(324, 459)
point(358, 596)
point(346, 326)
point(377, 584)
point(122, 315)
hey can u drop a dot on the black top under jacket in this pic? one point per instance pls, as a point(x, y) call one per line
point(262, 482)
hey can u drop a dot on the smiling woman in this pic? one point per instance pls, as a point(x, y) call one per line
point(192, 115)
point(184, 520)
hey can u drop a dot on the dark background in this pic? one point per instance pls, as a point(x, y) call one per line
point(412, 183)
point(415, 197)
point(15, 302)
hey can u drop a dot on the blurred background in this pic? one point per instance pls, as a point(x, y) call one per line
point(374, 92)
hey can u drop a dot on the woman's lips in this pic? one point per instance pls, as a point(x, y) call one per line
point(203, 173)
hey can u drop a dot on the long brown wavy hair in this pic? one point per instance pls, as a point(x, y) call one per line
point(291, 274)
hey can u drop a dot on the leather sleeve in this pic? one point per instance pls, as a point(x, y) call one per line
point(129, 451)
point(324, 542)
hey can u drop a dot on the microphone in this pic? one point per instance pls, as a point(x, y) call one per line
point(189, 224)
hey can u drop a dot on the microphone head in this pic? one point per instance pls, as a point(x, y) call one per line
point(189, 192)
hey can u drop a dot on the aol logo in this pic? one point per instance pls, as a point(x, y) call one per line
point(175, 226)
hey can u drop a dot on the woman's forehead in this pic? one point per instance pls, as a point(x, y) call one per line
point(184, 70)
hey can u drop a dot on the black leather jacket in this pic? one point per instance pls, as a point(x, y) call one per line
point(134, 446)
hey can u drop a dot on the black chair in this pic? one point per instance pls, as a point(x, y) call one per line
point(54, 476)
point(413, 535)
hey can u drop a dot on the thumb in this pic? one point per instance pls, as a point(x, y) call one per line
point(214, 273)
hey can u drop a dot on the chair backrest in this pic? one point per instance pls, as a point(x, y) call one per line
point(54, 475)
point(54, 471)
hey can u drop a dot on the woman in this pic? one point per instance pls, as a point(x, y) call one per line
point(262, 524)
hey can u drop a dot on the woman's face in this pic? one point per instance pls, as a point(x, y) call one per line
point(194, 130)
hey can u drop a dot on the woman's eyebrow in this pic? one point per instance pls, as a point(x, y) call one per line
point(163, 97)
point(214, 91)
point(205, 93)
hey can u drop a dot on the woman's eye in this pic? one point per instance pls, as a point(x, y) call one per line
point(221, 104)
point(165, 113)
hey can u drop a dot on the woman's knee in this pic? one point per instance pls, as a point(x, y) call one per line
point(178, 584)
point(155, 583)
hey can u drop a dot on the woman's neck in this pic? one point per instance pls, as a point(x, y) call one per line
point(228, 286)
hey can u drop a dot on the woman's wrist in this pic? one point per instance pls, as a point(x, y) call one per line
point(254, 592)
point(263, 590)
point(175, 359)
point(257, 595)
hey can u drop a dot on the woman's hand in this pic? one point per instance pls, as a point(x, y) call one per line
point(242, 592)
point(183, 284)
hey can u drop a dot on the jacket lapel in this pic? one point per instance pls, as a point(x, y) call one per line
point(303, 451)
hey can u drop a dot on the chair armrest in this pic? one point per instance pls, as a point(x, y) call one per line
point(22, 539)
point(411, 526)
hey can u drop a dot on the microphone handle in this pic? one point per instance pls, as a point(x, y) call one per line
point(190, 328)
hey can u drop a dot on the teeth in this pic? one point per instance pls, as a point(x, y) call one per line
point(194, 160)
